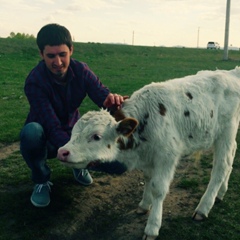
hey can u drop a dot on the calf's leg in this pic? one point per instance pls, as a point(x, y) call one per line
point(162, 176)
point(224, 152)
point(146, 202)
point(224, 187)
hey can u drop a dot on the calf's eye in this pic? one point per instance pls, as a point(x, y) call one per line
point(96, 137)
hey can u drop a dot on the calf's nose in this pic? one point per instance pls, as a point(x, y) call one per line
point(63, 154)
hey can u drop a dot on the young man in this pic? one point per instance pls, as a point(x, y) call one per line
point(55, 89)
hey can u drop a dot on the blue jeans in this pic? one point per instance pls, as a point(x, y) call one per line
point(36, 149)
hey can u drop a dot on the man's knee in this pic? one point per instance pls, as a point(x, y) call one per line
point(32, 132)
point(32, 136)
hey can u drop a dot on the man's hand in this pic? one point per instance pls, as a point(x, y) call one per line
point(114, 99)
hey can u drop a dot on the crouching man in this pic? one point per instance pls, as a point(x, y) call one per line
point(55, 89)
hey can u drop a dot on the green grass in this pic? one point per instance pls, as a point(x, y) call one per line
point(123, 69)
point(188, 183)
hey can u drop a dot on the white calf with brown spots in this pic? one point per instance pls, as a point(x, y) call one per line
point(157, 126)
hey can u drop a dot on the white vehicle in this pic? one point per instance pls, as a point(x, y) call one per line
point(213, 45)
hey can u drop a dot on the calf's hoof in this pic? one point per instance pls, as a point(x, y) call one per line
point(198, 216)
point(142, 211)
point(146, 237)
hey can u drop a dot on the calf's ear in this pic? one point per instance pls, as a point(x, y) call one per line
point(127, 126)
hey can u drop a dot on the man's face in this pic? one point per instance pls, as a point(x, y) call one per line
point(57, 59)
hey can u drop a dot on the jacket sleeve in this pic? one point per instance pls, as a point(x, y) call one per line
point(94, 87)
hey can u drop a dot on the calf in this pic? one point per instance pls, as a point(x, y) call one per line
point(160, 124)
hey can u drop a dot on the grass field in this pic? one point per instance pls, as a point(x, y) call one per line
point(123, 69)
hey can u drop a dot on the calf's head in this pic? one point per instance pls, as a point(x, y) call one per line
point(94, 138)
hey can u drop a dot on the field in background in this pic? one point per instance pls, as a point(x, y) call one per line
point(104, 211)
point(122, 68)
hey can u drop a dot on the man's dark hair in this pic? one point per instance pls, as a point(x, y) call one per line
point(53, 35)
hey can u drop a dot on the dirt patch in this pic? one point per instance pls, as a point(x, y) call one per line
point(6, 150)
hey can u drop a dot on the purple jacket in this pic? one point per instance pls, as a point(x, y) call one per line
point(55, 106)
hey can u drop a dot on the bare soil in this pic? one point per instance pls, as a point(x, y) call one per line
point(6, 150)
point(106, 209)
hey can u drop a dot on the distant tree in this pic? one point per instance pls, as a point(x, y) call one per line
point(21, 36)
point(12, 34)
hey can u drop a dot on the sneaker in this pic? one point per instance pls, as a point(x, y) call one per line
point(40, 196)
point(82, 176)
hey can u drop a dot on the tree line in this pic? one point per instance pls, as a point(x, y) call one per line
point(21, 36)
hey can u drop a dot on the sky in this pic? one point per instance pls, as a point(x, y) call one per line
point(170, 23)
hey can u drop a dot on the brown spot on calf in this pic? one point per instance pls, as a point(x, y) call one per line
point(128, 145)
point(189, 95)
point(211, 114)
point(186, 113)
point(119, 115)
point(162, 109)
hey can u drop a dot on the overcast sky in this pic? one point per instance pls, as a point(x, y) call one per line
point(148, 22)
